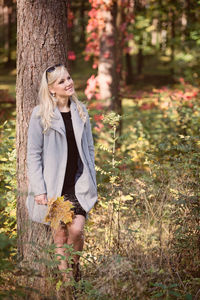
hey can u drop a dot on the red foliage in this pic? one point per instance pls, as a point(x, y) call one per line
point(98, 117)
point(182, 80)
point(123, 167)
point(5, 97)
point(166, 97)
point(91, 87)
point(147, 106)
point(98, 126)
point(71, 55)
point(96, 25)
point(96, 29)
point(70, 16)
point(107, 54)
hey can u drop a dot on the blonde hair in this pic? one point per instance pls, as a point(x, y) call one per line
point(47, 101)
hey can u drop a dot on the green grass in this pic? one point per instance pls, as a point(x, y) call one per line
point(157, 200)
point(8, 81)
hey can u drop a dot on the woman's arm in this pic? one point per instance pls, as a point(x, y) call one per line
point(34, 155)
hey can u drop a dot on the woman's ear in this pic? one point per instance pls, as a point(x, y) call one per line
point(51, 90)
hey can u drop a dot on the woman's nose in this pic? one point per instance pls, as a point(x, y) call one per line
point(69, 81)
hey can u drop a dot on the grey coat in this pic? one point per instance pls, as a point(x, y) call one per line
point(47, 158)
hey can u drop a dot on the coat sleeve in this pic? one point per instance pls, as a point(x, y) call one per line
point(90, 141)
point(34, 155)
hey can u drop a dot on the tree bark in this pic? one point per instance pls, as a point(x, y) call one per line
point(82, 23)
point(129, 69)
point(140, 57)
point(7, 30)
point(173, 35)
point(128, 57)
point(108, 69)
point(42, 42)
point(140, 7)
point(190, 16)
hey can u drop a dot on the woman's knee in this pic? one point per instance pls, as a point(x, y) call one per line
point(76, 233)
point(60, 236)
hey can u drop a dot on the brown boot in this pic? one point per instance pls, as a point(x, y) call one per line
point(76, 271)
point(66, 293)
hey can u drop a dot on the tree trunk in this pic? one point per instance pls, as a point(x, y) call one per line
point(129, 69)
point(140, 58)
point(140, 7)
point(7, 32)
point(173, 35)
point(190, 9)
point(82, 23)
point(108, 69)
point(42, 42)
point(128, 56)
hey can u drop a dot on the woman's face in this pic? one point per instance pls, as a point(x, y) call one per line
point(63, 87)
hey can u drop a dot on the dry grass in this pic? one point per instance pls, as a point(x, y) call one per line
point(151, 246)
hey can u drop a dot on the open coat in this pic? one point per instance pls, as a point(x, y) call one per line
point(47, 159)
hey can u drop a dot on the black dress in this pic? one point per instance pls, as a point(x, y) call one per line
point(68, 189)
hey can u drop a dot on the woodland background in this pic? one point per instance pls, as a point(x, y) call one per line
point(136, 66)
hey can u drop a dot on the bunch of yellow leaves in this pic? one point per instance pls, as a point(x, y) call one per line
point(59, 210)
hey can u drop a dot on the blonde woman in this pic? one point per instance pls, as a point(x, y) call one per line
point(60, 159)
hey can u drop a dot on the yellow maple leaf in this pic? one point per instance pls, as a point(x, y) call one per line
point(59, 210)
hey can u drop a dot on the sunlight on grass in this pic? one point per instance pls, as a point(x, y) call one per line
point(10, 88)
point(8, 81)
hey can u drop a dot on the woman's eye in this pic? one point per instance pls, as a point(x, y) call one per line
point(62, 81)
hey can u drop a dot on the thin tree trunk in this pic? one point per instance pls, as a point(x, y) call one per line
point(129, 69)
point(108, 69)
point(128, 60)
point(42, 42)
point(190, 17)
point(106, 59)
point(118, 53)
point(7, 31)
point(140, 58)
point(173, 35)
point(140, 7)
point(82, 23)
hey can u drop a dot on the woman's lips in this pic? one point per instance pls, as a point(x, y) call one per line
point(69, 88)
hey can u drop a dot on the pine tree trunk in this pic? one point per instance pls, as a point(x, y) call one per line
point(82, 23)
point(129, 69)
point(106, 59)
point(173, 35)
point(7, 31)
point(140, 58)
point(108, 69)
point(42, 42)
point(190, 9)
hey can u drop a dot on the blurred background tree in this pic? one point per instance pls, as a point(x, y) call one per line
point(8, 25)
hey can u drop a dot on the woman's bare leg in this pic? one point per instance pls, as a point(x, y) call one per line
point(76, 234)
point(76, 239)
point(60, 238)
point(72, 234)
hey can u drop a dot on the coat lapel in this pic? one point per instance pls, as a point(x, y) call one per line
point(57, 122)
point(77, 122)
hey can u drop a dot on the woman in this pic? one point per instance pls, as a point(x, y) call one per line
point(60, 158)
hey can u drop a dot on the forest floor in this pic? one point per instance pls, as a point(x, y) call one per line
point(141, 240)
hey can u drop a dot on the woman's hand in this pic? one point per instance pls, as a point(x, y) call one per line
point(41, 199)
